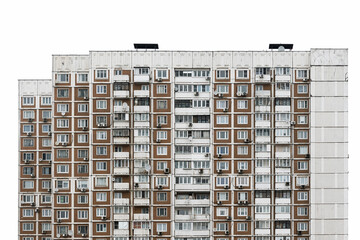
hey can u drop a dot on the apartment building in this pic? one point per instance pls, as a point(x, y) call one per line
point(185, 145)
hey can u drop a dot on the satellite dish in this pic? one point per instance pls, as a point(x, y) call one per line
point(147, 168)
point(58, 235)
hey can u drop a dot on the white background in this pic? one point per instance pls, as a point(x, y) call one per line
point(33, 30)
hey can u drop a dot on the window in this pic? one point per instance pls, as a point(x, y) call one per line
point(162, 135)
point(302, 211)
point(222, 74)
point(63, 78)
point(302, 104)
point(201, 103)
point(302, 181)
point(101, 166)
point(28, 212)
point(62, 199)
point(222, 150)
point(28, 184)
point(241, 227)
point(222, 104)
point(101, 104)
point(161, 150)
point(243, 181)
point(62, 123)
point(242, 196)
point(62, 184)
point(302, 165)
point(283, 117)
point(282, 132)
point(63, 93)
point(28, 142)
point(302, 74)
point(302, 134)
point(63, 138)
point(161, 212)
point(101, 135)
point(100, 181)
point(28, 128)
point(262, 224)
point(63, 108)
point(221, 227)
point(302, 196)
point(222, 135)
point(161, 89)
point(101, 89)
point(82, 199)
point(82, 78)
point(83, 107)
point(46, 198)
point(282, 86)
point(143, 117)
point(62, 168)
point(262, 71)
point(63, 153)
point(222, 211)
point(63, 214)
point(162, 73)
point(242, 211)
point(162, 120)
point(142, 71)
point(301, 226)
point(28, 100)
point(303, 150)
point(243, 165)
point(117, 72)
point(222, 88)
point(161, 196)
point(282, 71)
point(222, 119)
point(45, 100)
point(28, 114)
point(242, 119)
point(262, 209)
point(161, 104)
point(28, 226)
point(222, 196)
point(242, 150)
point(101, 197)
point(302, 119)
point(222, 181)
point(302, 88)
point(46, 212)
point(262, 179)
point(242, 73)
point(242, 134)
point(46, 128)
point(242, 104)
point(101, 227)
point(101, 151)
point(101, 74)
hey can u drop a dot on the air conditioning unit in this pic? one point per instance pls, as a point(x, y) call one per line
point(101, 125)
point(64, 144)
point(63, 113)
point(159, 233)
point(83, 235)
point(241, 94)
point(241, 186)
point(49, 190)
point(307, 155)
point(26, 161)
point(43, 231)
point(86, 159)
point(32, 204)
point(305, 79)
point(196, 94)
point(49, 133)
point(219, 202)
point(160, 187)
point(299, 232)
point(246, 202)
point(241, 171)
point(226, 110)
point(158, 140)
point(261, 76)
point(136, 185)
point(287, 184)
point(246, 140)
point(56, 190)
point(58, 220)
point(45, 119)
point(176, 89)
point(248, 217)
point(201, 170)
point(219, 171)
point(166, 170)
point(83, 189)
point(28, 133)
point(190, 124)
point(228, 218)
point(159, 79)
point(227, 232)
point(56, 143)
point(103, 217)
point(32, 175)
point(302, 186)
point(84, 128)
point(226, 187)
point(86, 98)
point(64, 235)
point(159, 125)
point(36, 210)
point(292, 123)
point(221, 95)
point(240, 202)
point(219, 155)
point(207, 155)
point(208, 78)
point(30, 119)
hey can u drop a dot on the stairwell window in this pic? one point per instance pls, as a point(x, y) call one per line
point(101, 74)
point(242, 73)
point(162, 73)
point(28, 100)
point(222, 74)
point(45, 101)
point(302, 104)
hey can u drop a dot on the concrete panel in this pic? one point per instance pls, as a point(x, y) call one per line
point(330, 227)
point(182, 59)
point(332, 150)
point(282, 59)
point(241, 59)
point(161, 59)
point(329, 165)
point(329, 57)
point(100, 59)
point(329, 88)
point(328, 211)
point(62, 63)
point(120, 60)
point(262, 59)
point(81, 63)
point(141, 59)
point(329, 134)
point(222, 59)
point(27, 87)
point(321, 104)
point(202, 60)
point(329, 119)
point(328, 74)
point(331, 181)
point(301, 59)
point(45, 87)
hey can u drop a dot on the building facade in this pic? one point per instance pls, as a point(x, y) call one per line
point(185, 145)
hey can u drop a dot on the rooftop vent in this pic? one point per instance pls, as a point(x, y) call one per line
point(146, 46)
point(281, 46)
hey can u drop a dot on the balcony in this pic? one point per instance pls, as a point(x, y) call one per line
point(191, 95)
point(282, 170)
point(282, 186)
point(262, 139)
point(262, 124)
point(282, 154)
point(262, 93)
point(141, 216)
point(121, 216)
point(140, 231)
point(192, 111)
point(262, 201)
point(121, 201)
point(262, 231)
point(189, 157)
point(141, 93)
point(282, 216)
point(141, 201)
point(192, 187)
point(192, 217)
point(191, 140)
point(121, 140)
point(121, 94)
point(282, 109)
point(121, 124)
point(121, 109)
point(189, 171)
point(121, 171)
point(262, 108)
point(143, 186)
point(202, 80)
point(282, 123)
point(141, 155)
point(121, 155)
point(282, 93)
point(190, 202)
point(142, 78)
point(121, 232)
point(282, 78)
point(262, 154)
point(140, 170)
point(282, 231)
point(121, 78)
point(121, 186)
point(262, 216)
point(191, 233)
point(262, 170)
point(141, 140)
point(282, 139)
point(260, 186)
point(141, 124)
point(192, 126)
point(141, 109)
point(262, 78)
point(282, 200)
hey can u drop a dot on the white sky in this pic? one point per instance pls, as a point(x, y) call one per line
point(31, 31)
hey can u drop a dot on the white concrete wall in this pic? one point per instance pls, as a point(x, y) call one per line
point(329, 144)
